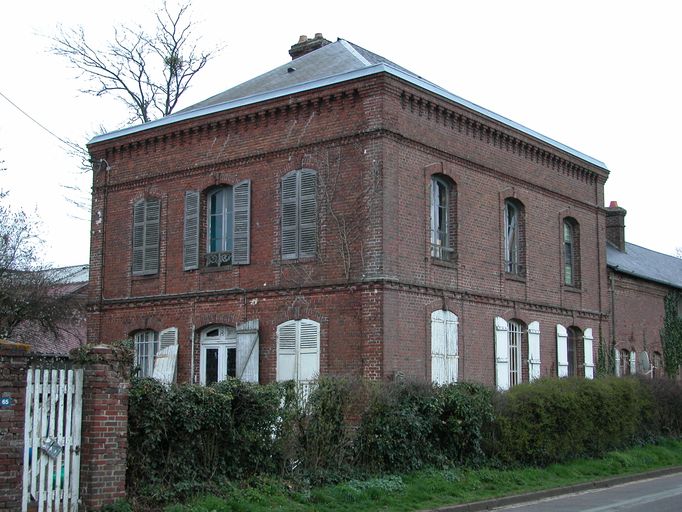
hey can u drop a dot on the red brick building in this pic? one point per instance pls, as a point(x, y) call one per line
point(342, 215)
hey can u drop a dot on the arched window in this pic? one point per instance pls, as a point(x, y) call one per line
point(218, 358)
point(442, 218)
point(516, 347)
point(514, 237)
point(146, 346)
point(571, 252)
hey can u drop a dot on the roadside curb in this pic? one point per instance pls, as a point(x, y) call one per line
point(515, 499)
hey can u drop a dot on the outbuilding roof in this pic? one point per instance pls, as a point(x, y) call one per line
point(334, 63)
point(645, 264)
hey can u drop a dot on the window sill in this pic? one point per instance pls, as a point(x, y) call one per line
point(145, 277)
point(209, 270)
point(293, 261)
point(443, 263)
point(572, 289)
point(515, 277)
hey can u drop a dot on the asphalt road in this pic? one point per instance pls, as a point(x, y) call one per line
point(661, 494)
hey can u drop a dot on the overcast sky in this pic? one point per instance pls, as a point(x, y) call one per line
point(600, 76)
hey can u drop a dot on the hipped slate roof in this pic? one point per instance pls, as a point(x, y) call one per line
point(334, 63)
point(645, 264)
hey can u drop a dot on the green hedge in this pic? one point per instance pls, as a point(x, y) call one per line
point(186, 438)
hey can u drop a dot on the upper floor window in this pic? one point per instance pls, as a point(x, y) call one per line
point(571, 252)
point(228, 225)
point(299, 214)
point(514, 249)
point(442, 219)
point(146, 215)
point(146, 346)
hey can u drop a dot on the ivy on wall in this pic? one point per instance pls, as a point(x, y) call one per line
point(671, 334)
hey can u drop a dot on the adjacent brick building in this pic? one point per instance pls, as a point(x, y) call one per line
point(342, 215)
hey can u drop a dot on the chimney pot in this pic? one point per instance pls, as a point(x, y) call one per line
point(613, 204)
point(306, 45)
point(302, 39)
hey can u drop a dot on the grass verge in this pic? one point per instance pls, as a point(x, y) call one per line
point(432, 488)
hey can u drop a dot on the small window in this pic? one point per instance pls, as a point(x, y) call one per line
point(514, 238)
point(146, 347)
point(571, 253)
point(442, 219)
point(299, 214)
point(218, 358)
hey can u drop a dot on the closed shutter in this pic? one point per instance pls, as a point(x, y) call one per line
point(242, 223)
point(290, 216)
point(588, 342)
point(309, 350)
point(307, 213)
point(286, 350)
point(562, 350)
point(633, 362)
point(533, 351)
point(438, 364)
point(616, 360)
point(165, 361)
point(247, 351)
point(138, 237)
point(451, 349)
point(190, 258)
point(501, 353)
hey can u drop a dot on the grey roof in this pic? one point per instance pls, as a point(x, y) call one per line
point(332, 64)
point(646, 264)
point(69, 275)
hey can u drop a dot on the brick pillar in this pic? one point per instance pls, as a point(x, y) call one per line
point(104, 437)
point(13, 365)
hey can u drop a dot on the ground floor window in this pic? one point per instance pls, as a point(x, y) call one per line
point(146, 346)
point(444, 352)
point(515, 348)
point(218, 359)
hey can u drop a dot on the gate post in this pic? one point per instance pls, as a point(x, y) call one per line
point(104, 435)
point(13, 367)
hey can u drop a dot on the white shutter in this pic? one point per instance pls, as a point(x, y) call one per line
point(589, 355)
point(290, 216)
point(533, 351)
point(247, 351)
point(633, 362)
point(242, 223)
point(286, 350)
point(190, 258)
point(616, 360)
point(307, 213)
point(309, 350)
point(438, 365)
point(151, 236)
point(451, 349)
point(562, 350)
point(138, 236)
point(165, 361)
point(501, 353)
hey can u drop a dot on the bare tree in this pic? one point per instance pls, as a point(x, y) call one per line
point(148, 72)
point(28, 293)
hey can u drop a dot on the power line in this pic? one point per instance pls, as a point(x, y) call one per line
point(63, 141)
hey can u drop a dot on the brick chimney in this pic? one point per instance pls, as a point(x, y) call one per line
point(615, 225)
point(306, 45)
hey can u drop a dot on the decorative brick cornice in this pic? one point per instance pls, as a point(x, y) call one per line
point(485, 132)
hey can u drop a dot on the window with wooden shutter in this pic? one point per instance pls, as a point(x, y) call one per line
point(444, 348)
point(299, 214)
point(562, 350)
point(190, 259)
point(501, 353)
point(533, 351)
point(247, 351)
point(588, 342)
point(146, 234)
point(218, 354)
point(146, 346)
point(298, 351)
point(165, 360)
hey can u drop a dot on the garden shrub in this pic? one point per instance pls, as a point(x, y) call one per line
point(666, 395)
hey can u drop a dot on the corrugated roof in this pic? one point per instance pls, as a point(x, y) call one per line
point(334, 63)
point(646, 264)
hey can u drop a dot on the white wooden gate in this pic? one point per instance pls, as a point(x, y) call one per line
point(52, 436)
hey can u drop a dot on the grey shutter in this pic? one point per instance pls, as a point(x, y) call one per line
point(151, 236)
point(533, 351)
point(290, 216)
point(307, 213)
point(190, 257)
point(589, 354)
point(242, 223)
point(501, 353)
point(247, 351)
point(138, 236)
point(562, 350)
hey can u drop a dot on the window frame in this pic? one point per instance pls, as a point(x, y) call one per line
point(516, 331)
point(514, 238)
point(226, 344)
point(570, 232)
point(574, 348)
point(442, 219)
point(220, 256)
point(145, 363)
